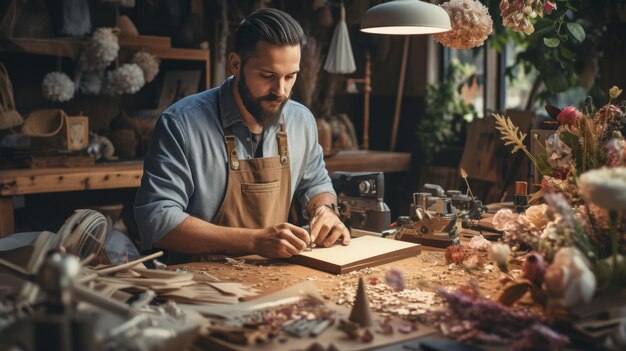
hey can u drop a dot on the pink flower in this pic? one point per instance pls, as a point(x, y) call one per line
point(549, 6)
point(504, 5)
point(609, 110)
point(568, 115)
point(395, 279)
point(534, 267)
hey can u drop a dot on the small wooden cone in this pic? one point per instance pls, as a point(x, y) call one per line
point(361, 313)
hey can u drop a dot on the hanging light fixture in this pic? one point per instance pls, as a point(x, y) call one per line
point(340, 59)
point(404, 17)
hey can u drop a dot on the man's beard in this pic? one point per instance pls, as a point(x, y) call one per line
point(264, 117)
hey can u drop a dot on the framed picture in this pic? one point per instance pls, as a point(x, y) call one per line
point(77, 132)
point(177, 85)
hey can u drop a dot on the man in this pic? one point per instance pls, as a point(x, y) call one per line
point(225, 164)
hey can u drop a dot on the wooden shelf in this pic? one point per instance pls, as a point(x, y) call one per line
point(70, 48)
point(128, 174)
point(54, 47)
point(46, 180)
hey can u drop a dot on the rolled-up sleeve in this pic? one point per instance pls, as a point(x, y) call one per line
point(166, 184)
point(315, 179)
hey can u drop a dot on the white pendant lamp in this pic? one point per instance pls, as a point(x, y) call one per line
point(405, 17)
point(340, 59)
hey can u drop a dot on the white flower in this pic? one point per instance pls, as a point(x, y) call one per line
point(500, 254)
point(479, 243)
point(99, 51)
point(537, 216)
point(614, 92)
point(127, 79)
point(57, 86)
point(568, 279)
point(149, 64)
point(504, 219)
point(471, 24)
point(559, 154)
point(605, 187)
point(615, 148)
point(551, 231)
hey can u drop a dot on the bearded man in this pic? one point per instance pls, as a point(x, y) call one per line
point(224, 165)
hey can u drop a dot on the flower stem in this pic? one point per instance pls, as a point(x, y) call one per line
point(536, 137)
point(613, 214)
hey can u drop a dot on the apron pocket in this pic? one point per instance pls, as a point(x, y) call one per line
point(260, 187)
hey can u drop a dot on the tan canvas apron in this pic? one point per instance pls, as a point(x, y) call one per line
point(258, 191)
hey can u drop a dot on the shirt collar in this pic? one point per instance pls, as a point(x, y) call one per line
point(228, 108)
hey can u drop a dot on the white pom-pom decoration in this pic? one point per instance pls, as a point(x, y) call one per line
point(471, 24)
point(57, 86)
point(99, 51)
point(90, 83)
point(127, 79)
point(149, 64)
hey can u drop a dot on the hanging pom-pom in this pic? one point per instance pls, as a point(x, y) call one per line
point(127, 79)
point(90, 83)
point(471, 24)
point(100, 50)
point(149, 64)
point(57, 86)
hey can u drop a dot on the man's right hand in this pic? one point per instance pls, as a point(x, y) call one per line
point(280, 241)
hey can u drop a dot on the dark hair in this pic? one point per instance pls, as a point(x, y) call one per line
point(270, 25)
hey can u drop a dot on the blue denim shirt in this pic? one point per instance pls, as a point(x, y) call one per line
point(185, 169)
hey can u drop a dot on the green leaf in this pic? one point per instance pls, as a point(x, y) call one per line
point(543, 164)
point(576, 32)
point(551, 42)
point(556, 82)
point(567, 53)
point(569, 139)
point(543, 26)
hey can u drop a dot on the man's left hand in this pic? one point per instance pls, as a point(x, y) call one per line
point(326, 228)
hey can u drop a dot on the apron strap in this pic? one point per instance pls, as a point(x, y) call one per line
point(233, 159)
point(281, 137)
point(282, 147)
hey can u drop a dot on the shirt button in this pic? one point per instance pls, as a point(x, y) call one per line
point(247, 139)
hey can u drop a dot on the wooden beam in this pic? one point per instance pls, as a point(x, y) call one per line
point(369, 161)
point(399, 94)
point(7, 225)
point(47, 180)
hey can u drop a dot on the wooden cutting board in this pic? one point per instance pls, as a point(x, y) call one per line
point(365, 251)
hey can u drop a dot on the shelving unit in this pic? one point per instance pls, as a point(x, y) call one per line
point(116, 175)
point(70, 48)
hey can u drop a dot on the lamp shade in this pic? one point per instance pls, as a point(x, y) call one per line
point(340, 58)
point(402, 17)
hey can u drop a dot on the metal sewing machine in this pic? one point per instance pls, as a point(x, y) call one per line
point(433, 217)
point(360, 202)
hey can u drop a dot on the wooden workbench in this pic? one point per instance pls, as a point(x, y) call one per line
point(422, 274)
point(117, 175)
